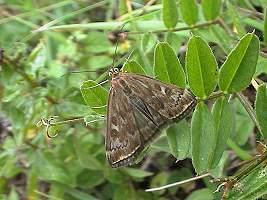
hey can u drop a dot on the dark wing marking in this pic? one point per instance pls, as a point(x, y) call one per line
point(170, 101)
point(122, 138)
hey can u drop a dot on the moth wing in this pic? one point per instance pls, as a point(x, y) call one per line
point(122, 138)
point(131, 126)
point(149, 121)
point(168, 100)
point(138, 108)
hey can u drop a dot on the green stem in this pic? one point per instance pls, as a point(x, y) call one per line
point(238, 151)
point(215, 95)
point(249, 109)
point(37, 11)
point(178, 29)
point(67, 121)
point(70, 15)
point(114, 25)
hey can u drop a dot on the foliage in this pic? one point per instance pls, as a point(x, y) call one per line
point(221, 48)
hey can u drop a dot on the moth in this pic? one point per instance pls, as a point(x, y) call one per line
point(139, 107)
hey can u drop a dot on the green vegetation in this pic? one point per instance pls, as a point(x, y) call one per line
point(215, 48)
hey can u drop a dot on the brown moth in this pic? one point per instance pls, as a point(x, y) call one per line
point(138, 108)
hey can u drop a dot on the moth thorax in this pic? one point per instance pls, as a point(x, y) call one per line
point(113, 72)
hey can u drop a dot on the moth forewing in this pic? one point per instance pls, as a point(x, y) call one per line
point(138, 108)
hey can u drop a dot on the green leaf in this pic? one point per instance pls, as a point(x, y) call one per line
point(167, 66)
point(179, 139)
point(79, 195)
point(95, 96)
point(83, 148)
point(170, 13)
point(158, 180)
point(240, 65)
point(203, 138)
point(219, 36)
point(261, 66)
point(179, 175)
point(253, 185)
point(124, 191)
point(32, 183)
point(99, 61)
point(254, 23)
point(211, 9)
point(68, 107)
point(51, 169)
point(37, 58)
point(161, 144)
point(189, 11)
point(202, 194)
point(90, 178)
point(218, 171)
point(114, 176)
point(13, 195)
point(123, 9)
point(261, 109)
point(201, 67)
point(137, 173)
point(57, 190)
point(223, 118)
point(96, 42)
point(148, 42)
point(133, 67)
point(238, 23)
point(243, 124)
point(174, 40)
point(8, 166)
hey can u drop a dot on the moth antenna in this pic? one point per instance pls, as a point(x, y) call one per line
point(117, 44)
point(98, 84)
point(77, 72)
point(114, 58)
point(130, 54)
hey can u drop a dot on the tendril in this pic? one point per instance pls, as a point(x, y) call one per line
point(48, 123)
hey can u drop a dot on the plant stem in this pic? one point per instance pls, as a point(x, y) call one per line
point(249, 109)
point(70, 15)
point(67, 121)
point(215, 95)
point(114, 25)
point(178, 29)
point(178, 183)
point(238, 151)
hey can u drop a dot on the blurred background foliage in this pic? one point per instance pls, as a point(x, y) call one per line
point(45, 40)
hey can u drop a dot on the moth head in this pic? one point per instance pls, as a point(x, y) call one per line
point(113, 72)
